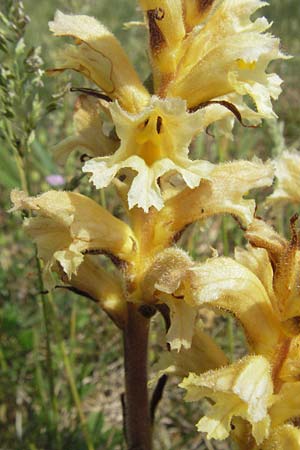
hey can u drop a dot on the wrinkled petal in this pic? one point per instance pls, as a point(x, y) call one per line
point(241, 389)
point(100, 57)
point(161, 282)
point(183, 318)
point(89, 136)
point(166, 273)
point(223, 194)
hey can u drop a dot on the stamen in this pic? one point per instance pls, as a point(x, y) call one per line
point(227, 105)
point(293, 220)
point(92, 93)
point(158, 124)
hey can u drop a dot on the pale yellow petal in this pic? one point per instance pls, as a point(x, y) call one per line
point(241, 389)
point(166, 273)
point(286, 405)
point(285, 257)
point(195, 11)
point(183, 317)
point(258, 262)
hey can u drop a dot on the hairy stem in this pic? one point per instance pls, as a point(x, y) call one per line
point(137, 411)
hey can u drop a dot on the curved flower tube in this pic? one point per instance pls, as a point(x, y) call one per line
point(68, 224)
point(96, 283)
point(100, 57)
point(285, 258)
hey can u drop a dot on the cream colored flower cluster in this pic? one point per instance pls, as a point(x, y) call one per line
point(208, 58)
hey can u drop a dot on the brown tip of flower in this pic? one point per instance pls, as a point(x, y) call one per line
point(157, 39)
point(294, 233)
point(203, 5)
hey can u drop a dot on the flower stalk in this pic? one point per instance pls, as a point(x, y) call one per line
point(138, 428)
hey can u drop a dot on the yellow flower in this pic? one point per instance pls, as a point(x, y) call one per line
point(153, 143)
point(287, 170)
point(208, 50)
point(243, 389)
point(68, 225)
point(205, 56)
point(285, 259)
point(99, 56)
point(261, 289)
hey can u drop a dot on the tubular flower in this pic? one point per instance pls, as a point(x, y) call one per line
point(285, 259)
point(214, 50)
point(88, 137)
point(205, 57)
point(243, 389)
point(287, 171)
point(261, 289)
point(68, 225)
point(99, 56)
point(153, 143)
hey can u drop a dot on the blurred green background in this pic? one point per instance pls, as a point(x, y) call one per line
point(60, 357)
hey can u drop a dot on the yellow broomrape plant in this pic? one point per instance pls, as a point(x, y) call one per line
point(208, 59)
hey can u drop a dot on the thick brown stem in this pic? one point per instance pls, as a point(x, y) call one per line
point(137, 411)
